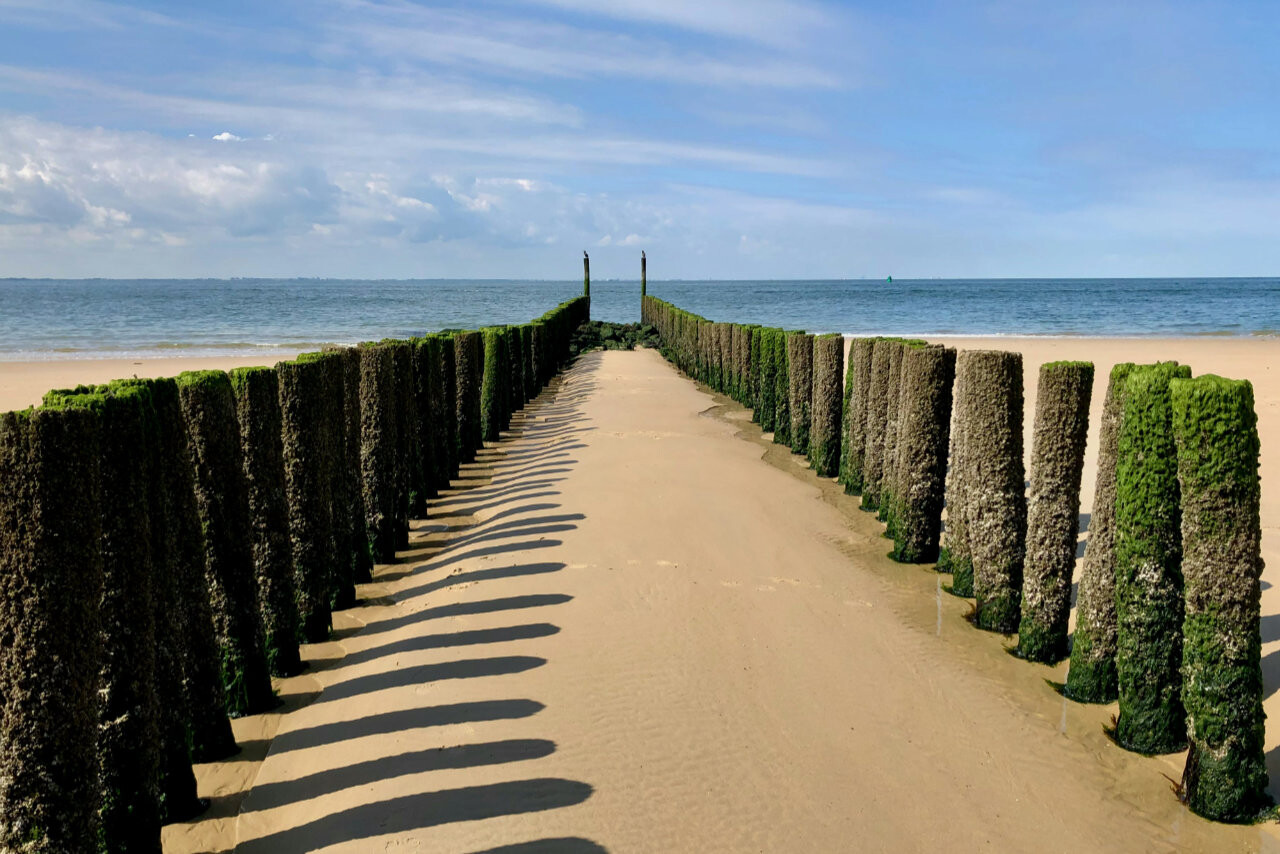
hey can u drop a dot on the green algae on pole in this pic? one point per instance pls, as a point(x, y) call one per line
point(996, 511)
point(766, 406)
point(408, 461)
point(378, 448)
point(205, 695)
point(1053, 509)
point(877, 403)
point(493, 390)
point(781, 390)
point(1148, 542)
point(800, 389)
point(128, 735)
point(467, 367)
point(889, 467)
point(360, 554)
point(586, 275)
point(515, 388)
point(644, 276)
point(209, 407)
point(825, 418)
point(855, 437)
point(527, 362)
point(50, 535)
point(1091, 677)
point(1216, 431)
point(957, 556)
point(258, 410)
point(927, 378)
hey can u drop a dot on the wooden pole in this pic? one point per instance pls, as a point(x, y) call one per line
point(586, 274)
point(644, 284)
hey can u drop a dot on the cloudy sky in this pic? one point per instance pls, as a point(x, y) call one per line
point(728, 138)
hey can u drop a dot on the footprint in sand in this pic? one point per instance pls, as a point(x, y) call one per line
point(794, 582)
point(730, 584)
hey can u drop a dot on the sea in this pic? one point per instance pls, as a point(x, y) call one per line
point(100, 318)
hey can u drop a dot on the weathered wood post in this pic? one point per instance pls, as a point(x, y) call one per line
point(51, 576)
point(1053, 510)
point(957, 557)
point(824, 434)
point(644, 276)
point(800, 374)
point(928, 374)
point(1216, 430)
point(855, 437)
point(877, 397)
point(1149, 606)
point(586, 274)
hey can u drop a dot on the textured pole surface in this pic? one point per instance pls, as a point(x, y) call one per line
point(957, 556)
point(877, 396)
point(855, 438)
point(209, 406)
point(515, 364)
point(1091, 677)
point(996, 509)
point(800, 391)
point(211, 736)
point(828, 408)
point(128, 713)
point(50, 589)
point(448, 377)
point(307, 452)
point(1216, 430)
point(526, 357)
point(424, 424)
point(493, 388)
point(467, 355)
point(765, 405)
point(358, 546)
point(781, 390)
point(258, 411)
point(644, 276)
point(1149, 607)
point(928, 374)
point(893, 403)
point(342, 589)
point(408, 462)
point(177, 782)
point(378, 449)
point(1053, 509)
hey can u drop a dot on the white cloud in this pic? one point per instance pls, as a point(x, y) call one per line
point(227, 136)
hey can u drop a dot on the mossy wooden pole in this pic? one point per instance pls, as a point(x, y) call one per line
point(1149, 606)
point(515, 365)
point(528, 364)
point(51, 577)
point(424, 378)
point(357, 539)
point(928, 375)
point(493, 385)
point(766, 408)
point(855, 438)
point(448, 377)
point(128, 740)
point(845, 414)
point(467, 365)
point(1091, 677)
point(306, 450)
point(957, 555)
point(781, 390)
point(828, 404)
point(258, 411)
point(408, 461)
point(800, 389)
point(208, 404)
point(996, 501)
point(644, 276)
point(343, 587)
point(586, 275)
point(877, 407)
point(177, 782)
point(211, 736)
point(378, 449)
point(1053, 509)
point(889, 466)
point(1216, 430)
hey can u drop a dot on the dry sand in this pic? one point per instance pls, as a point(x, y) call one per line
point(638, 626)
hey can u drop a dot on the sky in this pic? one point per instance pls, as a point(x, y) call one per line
point(726, 138)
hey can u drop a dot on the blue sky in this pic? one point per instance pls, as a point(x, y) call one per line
point(727, 138)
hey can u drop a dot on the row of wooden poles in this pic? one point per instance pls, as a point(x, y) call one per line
point(1169, 601)
point(167, 544)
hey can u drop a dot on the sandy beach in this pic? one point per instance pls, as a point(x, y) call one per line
point(637, 625)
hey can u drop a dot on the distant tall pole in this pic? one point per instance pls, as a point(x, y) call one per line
point(586, 274)
point(643, 276)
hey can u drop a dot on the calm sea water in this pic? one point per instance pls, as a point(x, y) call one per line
point(42, 319)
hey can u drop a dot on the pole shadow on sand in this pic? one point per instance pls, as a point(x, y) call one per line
point(513, 483)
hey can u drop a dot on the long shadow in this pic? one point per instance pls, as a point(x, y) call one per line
point(269, 795)
point(471, 526)
point(400, 720)
point(438, 548)
point(467, 609)
point(444, 559)
point(466, 498)
point(1270, 673)
point(453, 639)
point(562, 845)
point(485, 575)
point(416, 812)
point(550, 493)
point(471, 668)
point(1270, 628)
